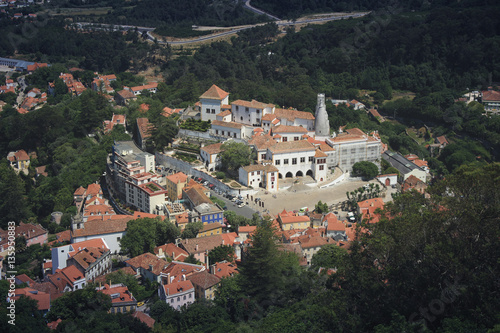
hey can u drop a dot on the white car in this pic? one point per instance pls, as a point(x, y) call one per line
point(241, 205)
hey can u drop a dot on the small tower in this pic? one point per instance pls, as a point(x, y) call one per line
point(322, 125)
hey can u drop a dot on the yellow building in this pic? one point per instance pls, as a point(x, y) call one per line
point(175, 184)
point(210, 229)
point(289, 220)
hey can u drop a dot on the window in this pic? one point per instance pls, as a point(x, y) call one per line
point(234, 135)
point(295, 138)
point(241, 118)
point(258, 111)
point(178, 299)
point(252, 173)
point(322, 167)
point(184, 297)
point(213, 111)
point(263, 156)
point(208, 110)
point(246, 109)
point(118, 238)
point(311, 158)
point(258, 173)
point(302, 160)
point(258, 120)
point(216, 131)
point(277, 162)
point(285, 139)
point(236, 107)
point(222, 132)
point(294, 161)
point(285, 161)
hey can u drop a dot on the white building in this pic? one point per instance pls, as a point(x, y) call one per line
point(212, 102)
point(177, 294)
point(288, 133)
point(355, 146)
point(298, 158)
point(209, 155)
point(259, 175)
point(250, 113)
point(226, 130)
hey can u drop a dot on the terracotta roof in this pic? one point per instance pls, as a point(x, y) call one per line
point(229, 238)
point(213, 148)
point(42, 298)
point(268, 117)
point(442, 140)
point(291, 146)
point(53, 324)
point(224, 113)
point(138, 214)
point(214, 92)
point(226, 124)
point(196, 195)
point(25, 279)
point(29, 230)
point(262, 141)
point(177, 287)
point(247, 228)
point(490, 96)
point(80, 191)
point(202, 244)
point(291, 114)
point(97, 227)
point(224, 269)
point(88, 256)
point(126, 94)
point(144, 127)
point(204, 279)
point(368, 208)
point(294, 219)
point(288, 129)
point(150, 85)
point(177, 269)
point(172, 251)
point(126, 270)
point(146, 260)
point(98, 210)
point(253, 104)
point(150, 322)
point(182, 218)
point(178, 177)
point(375, 113)
point(421, 163)
point(124, 294)
point(211, 226)
point(312, 241)
point(319, 153)
point(94, 189)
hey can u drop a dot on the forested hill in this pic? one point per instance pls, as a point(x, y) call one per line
point(295, 8)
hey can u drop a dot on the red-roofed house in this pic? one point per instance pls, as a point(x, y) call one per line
point(171, 251)
point(290, 221)
point(209, 155)
point(177, 294)
point(43, 299)
point(413, 183)
point(204, 284)
point(144, 128)
point(117, 119)
point(150, 322)
point(368, 207)
point(33, 233)
point(175, 184)
point(148, 266)
point(122, 300)
point(491, 101)
point(19, 160)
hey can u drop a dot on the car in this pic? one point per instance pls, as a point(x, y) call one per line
point(234, 199)
point(241, 205)
point(205, 183)
point(140, 303)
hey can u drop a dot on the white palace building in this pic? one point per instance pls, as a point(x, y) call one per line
point(289, 143)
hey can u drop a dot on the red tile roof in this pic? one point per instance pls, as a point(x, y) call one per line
point(253, 104)
point(172, 251)
point(178, 177)
point(204, 279)
point(150, 322)
point(224, 269)
point(288, 129)
point(214, 92)
point(146, 261)
point(213, 148)
point(291, 114)
point(96, 227)
point(177, 287)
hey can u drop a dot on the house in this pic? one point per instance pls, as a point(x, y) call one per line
point(413, 183)
point(68, 279)
point(175, 184)
point(122, 300)
point(226, 130)
point(181, 220)
point(259, 175)
point(292, 117)
point(32, 233)
point(100, 257)
point(97, 210)
point(151, 87)
point(367, 208)
point(311, 245)
point(171, 251)
point(491, 101)
point(167, 112)
point(42, 298)
point(33, 67)
point(442, 141)
point(246, 231)
point(260, 142)
point(178, 271)
point(91, 262)
point(117, 119)
point(204, 284)
point(210, 229)
point(356, 105)
point(209, 155)
point(41, 171)
point(199, 247)
point(288, 221)
point(224, 269)
point(177, 294)
point(148, 265)
point(405, 167)
point(123, 97)
point(19, 160)
point(212, 102)
point(208, 213)
point(144, 128)
point(112, 231)
point(334, 227)
point(421, 163)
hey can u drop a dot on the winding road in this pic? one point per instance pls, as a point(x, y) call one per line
point(231, 31)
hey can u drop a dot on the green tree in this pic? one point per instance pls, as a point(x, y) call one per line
point(221, 253)
point(163, 133)
point(365, 169)
point(13, 206)
point(329, 256)
point(143, 235)
point(321, 207)
point(191, 230)
point(234, 155)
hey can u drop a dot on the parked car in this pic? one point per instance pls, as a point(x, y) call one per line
point(241, 205)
